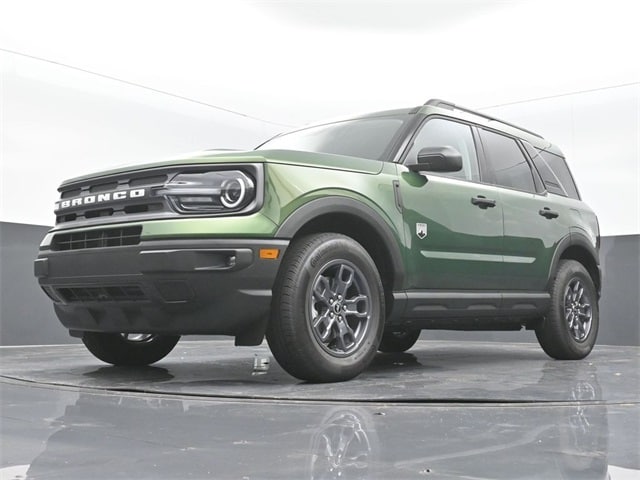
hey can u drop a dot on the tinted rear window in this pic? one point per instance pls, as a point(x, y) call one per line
point(551, 182)
point(556, 171)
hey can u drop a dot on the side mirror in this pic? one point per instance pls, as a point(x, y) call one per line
point(437, 159)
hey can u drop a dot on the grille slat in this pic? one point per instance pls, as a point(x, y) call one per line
point(111, 237)
point(103, 187)
point(118, 293)
point(110, 207)
point(150, 180)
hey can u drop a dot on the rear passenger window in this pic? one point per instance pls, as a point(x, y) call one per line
point(508, 162)
point(561, 171)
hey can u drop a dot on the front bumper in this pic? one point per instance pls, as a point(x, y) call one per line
point(215, 286)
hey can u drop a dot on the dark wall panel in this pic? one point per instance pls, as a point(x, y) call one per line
point(27, 318)
point(620, 302)
point(26, 314)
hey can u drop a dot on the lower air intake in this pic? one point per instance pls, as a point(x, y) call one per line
point(112, 237)
point(121, 293)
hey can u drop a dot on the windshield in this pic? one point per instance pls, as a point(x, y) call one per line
point(371, 138)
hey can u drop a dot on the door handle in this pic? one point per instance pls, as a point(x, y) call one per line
point(483, 202)
point(548, 213)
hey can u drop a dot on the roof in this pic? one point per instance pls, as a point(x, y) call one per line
point(463, 113)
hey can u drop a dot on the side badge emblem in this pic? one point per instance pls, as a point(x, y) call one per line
point(421, 230)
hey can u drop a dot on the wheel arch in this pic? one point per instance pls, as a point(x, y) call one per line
point(359, 221)
point(578, 247)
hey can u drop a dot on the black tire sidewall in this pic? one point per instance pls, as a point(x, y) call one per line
point(554, 335)
point(325, 249)
point(114, 349)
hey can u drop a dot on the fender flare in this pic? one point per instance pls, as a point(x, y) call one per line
point(575, 239)
point(336, 204)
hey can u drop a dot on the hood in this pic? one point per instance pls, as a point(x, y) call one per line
point(289, 157)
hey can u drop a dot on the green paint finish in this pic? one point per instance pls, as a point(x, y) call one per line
point(288, 187)
point(529, 234)
point(458, 234)
point(453, 249)
point(288, 157)
point(446, 242)
point(251, 226)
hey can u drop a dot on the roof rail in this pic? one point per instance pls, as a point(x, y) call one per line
point(435, 102)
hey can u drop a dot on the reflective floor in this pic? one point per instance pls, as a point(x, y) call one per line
point(210, 410)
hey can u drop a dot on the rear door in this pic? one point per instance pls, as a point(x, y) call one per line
point(533, 223)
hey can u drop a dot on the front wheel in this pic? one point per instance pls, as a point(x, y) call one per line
point(129, 349)
point(569, 330)
point(328, 309)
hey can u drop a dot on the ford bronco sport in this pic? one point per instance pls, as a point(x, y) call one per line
point(334, 241)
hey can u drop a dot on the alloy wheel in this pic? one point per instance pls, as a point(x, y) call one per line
point(137, 337)
point(577, 310)
point(340, 308)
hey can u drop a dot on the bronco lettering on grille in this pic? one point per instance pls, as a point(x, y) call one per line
point(100, 198)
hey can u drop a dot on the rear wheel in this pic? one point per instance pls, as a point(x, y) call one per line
point(129, 349)
point(569, 330)
point(328, 309)
point(397, 341)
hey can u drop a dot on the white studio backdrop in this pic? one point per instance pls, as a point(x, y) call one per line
point(58, 123)
point(90, 85)
point(599, 132)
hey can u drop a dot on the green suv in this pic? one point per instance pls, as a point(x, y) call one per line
point(334, 241)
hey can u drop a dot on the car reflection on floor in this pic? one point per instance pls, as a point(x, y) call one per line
point(133, 435)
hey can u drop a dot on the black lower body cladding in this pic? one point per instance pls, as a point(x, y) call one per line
point(175, 287)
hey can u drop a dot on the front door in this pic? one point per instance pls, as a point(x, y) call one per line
point(453, 221)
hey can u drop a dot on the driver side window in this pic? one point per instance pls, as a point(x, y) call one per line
point(444, 133)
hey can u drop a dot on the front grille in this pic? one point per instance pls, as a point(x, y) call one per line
point(122, 293)
point(102, 204)
point(111, 237)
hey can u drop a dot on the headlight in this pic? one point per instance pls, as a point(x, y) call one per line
point(223, 191)
point(234, 191)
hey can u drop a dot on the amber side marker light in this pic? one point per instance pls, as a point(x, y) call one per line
point(269, 253)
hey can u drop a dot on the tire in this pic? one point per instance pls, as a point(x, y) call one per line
point(569, 330)
point(129, 349)
point(331, 280)
point(398, 341)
